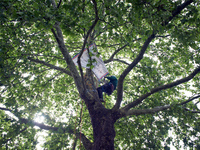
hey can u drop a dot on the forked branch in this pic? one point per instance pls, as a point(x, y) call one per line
point(142, 51)
point(128, 69)
point(159, 108)
point(163, 87)
point(117, 51)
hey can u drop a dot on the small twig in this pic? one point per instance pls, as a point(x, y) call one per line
point(86, 38)
point(162, 36)
point(121, 61)
point(192, 111)
point(50, 65)
point(59, 3)
point(197, 102)
point(190, 99)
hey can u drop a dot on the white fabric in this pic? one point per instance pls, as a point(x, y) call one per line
point(99, 69)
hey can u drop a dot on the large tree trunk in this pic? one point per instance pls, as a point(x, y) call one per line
point(103, 128)
point(102, 119)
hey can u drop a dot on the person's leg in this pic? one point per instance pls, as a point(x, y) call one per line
point(100, 93)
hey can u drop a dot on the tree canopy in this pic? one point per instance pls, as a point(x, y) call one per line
point(151, 46)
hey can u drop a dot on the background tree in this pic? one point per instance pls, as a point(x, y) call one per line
point(151, 46)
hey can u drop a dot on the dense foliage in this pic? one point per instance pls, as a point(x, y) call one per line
point(151, 46)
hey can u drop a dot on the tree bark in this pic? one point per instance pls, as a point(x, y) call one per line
point(102, 119)
point(103, 127)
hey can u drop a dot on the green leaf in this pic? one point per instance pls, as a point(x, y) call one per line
point(38, 76)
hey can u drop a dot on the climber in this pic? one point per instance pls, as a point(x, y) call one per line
point(108, 88)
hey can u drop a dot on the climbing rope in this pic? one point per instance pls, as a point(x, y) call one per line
point(81, 114)
point(80, 126)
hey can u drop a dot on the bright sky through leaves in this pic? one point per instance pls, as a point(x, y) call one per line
point(151, 46)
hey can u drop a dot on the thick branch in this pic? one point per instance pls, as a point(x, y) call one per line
point(85, 141)
point(163, 87)
point(87, 144)
point(26, 121)
point(68, 59)
point(50, 65)
point(152, 111)
point(146, 111)
point(40, 125)
point(128, 69)
point(157, 109)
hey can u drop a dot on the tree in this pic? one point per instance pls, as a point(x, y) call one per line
point(151, 46)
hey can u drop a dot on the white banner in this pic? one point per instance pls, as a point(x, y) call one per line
point(99, 67)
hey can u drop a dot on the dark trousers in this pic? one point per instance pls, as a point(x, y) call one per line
point(108, 88)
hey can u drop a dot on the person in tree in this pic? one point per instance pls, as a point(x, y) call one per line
point(108, 88)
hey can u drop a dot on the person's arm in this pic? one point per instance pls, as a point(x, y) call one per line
point(108, 78)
